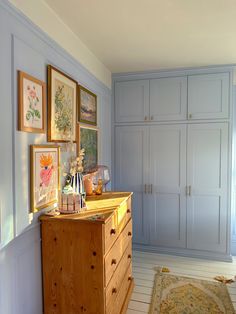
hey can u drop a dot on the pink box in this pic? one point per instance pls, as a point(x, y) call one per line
point(64, 207)
point(64, 199)
point(70, 199)
point(77, 198)
point(77, 206)
point(71, 207)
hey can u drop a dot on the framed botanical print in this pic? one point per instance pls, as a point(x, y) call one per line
point(62, 103)
point(31, 104)
point(87, 106)
point(88, 139)
point(44, 175)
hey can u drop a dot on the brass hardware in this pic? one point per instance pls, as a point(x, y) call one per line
point(129, 256)
point(190, 190)
point(130, 233)
point(113, 231)
point(113, 261)
point(114, 290)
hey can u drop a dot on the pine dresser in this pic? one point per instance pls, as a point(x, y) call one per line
point(87, 257)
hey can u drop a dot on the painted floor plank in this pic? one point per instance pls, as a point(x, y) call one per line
point(144, 264)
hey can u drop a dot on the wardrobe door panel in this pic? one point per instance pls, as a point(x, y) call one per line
point(168, 178)
point(208, 96)
point(168, 99)
point(131, 174)
point(132, 101)
point(207, 180)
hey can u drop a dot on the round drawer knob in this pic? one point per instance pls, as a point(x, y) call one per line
point(128, 211)
point(130, 278)
point(130, 256)
point(113, 231)
point(130, 233)
point(114, 290)
point(113, 261)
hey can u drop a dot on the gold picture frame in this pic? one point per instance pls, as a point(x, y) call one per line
point(87, 106)
point(62, 106)
point(87, 138)
point(31, 104)
point(44, 176)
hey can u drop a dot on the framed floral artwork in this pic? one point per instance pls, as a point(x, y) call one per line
point(31, 104)
point(88, 140)
point(44, 175)
point(87, 106)
point(62, 103)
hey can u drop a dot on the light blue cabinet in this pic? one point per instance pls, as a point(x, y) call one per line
point(168, 99)
point(207, 181)
point(131, 162)
point(132, 101)
point(193, 97)
point(168, 178)
point(178, 174)
point(176, 159)
point(208, 96)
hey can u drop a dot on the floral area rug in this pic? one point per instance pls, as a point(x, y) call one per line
point(182, 295)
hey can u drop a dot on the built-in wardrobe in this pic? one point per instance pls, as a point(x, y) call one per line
point(172, 148)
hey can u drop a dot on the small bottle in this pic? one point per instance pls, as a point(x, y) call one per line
point(88, 186)
point(98, 190)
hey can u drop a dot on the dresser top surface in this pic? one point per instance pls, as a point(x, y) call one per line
point(101, 205)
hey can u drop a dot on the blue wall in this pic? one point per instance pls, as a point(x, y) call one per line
point(24, 47)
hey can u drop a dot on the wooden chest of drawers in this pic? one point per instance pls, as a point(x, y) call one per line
point(87, 259)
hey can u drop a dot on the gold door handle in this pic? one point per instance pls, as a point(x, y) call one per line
point(190, 190)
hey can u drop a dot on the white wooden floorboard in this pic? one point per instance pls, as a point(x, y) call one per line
point(144, 264)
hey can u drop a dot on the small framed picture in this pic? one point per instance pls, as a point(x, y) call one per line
point(44, 176)
point(87, 106)
point(62, 103)
point(31, 104)
point(88, 139)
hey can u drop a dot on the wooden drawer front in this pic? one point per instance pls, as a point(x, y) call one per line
point(124, 214)
point(115, 282)
point(111, 233)
point(116, 302)
point(122, 247)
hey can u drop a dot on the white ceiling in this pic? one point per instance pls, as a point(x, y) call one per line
point(137, 35)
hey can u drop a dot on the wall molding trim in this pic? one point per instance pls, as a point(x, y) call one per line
point(49, 41)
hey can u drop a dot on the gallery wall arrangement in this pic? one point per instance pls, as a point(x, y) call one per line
point(68, 105)
point(26, 48)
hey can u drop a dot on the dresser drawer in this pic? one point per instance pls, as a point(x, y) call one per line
point(122, 246)
point(115, 282)
point(116, 303)
point(111, 232)
point(123, 214)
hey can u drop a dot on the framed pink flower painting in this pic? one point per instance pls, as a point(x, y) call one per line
point(31, 104)
point(44, 164)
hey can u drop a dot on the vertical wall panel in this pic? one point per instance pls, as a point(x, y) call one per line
point(24, 47)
